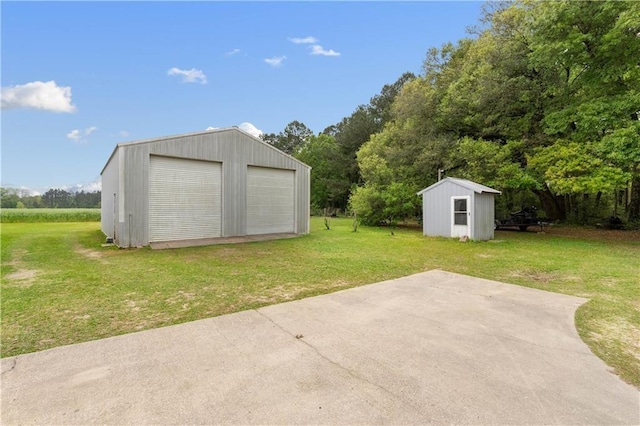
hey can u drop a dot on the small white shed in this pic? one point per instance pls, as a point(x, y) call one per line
point(458, 207)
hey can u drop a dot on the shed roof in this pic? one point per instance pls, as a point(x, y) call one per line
point(184, 135)
point(470, 185)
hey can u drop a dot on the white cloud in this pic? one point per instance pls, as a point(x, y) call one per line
point(251, 129)
point(246, 126)
point(305, 40)
point(74, 135)
point(232, 52)
point(189, 76)
point(123, 134)
point(90, 187)
point(316, 49)
point(86, 187)
point(47, 96)
point(276, 61)
point(79, 136)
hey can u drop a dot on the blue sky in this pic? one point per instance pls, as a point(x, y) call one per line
point(80, 77)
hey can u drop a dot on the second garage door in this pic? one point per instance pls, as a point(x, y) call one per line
point(270, 201)
point(185, 199)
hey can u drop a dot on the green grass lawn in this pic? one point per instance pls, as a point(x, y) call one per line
point(60, 286)
point(49, 215)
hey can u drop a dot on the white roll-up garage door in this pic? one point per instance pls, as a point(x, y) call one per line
point(185, 199)
point(270, 201)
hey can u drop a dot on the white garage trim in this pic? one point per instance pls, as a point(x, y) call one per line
point(270, 201)
point(185, 199)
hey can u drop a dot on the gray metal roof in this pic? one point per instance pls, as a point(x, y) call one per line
point(203, 132)
point(184, 135)
point(473, 186)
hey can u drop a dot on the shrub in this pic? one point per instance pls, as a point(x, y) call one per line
point(389, 205)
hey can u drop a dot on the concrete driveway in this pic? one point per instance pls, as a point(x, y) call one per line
point(432, 348)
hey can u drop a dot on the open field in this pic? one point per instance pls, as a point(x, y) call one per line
point(49, 215)
point(59, 286)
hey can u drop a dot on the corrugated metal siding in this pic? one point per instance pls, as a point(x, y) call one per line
point(135, 227)
point(303, 191)
point(109, 196)
point(270, 201)
point(185, 199)
point(235, 150)
point(484, 214)
point(436, 205)
point(436, 208)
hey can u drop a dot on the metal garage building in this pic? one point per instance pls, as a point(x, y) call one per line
point(213, 184)
point(458, 207)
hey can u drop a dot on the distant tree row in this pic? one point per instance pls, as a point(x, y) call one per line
point(12, 198)
point(542, 102)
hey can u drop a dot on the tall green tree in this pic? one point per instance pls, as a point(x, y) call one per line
point(8, 198)
point(294, 136)
point(592, 50)
point(329, 181)
point(544, 100)
point(58, 198)
point(353, 131)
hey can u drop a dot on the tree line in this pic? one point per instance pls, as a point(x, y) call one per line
point(541, 101)
point(12, 198)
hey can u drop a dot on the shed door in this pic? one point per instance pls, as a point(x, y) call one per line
point(270, 201)
point(460, 216)
point(185, 199)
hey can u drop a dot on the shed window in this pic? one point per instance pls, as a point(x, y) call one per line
point(460, 211)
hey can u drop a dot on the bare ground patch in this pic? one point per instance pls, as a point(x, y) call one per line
point(184, 298)
point(180, 297)
point(82, 317)
point(16, 259)
point(145, 321)
point(250, 298)
point(90, 254)
point(609, 282)
point(538, 276)
point(136, 305)
point(618, 329)
point(284, 293)
point(22, 275)
point(484, 255)
point(273, 296)
point(21, 278)
point(280, 293)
